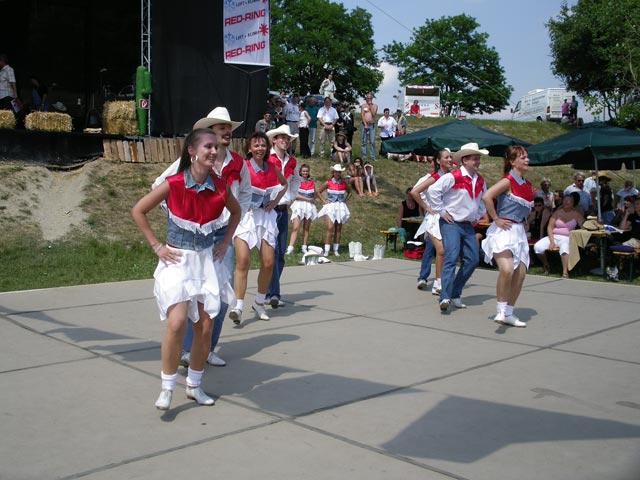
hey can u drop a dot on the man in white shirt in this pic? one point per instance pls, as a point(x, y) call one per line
point(578, 186)
point(327, 117)
point(457, 198)
point(287, 164)
point(388, 126)
point(328, 87)
point(8, 90)
point(231, 166)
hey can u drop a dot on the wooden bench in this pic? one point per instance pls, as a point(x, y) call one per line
point(391, 236)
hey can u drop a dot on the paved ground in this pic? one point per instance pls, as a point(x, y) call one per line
point(359, 377)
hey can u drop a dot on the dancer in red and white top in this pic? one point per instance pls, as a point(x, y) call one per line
point(506, 240)
point(303, 209)
point(190, 280)
point(430, 227)
point(335, 208)
point(258, 228)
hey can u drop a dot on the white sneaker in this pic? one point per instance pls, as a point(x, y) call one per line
point(236, 315)
point(435, 291)
point(456, 302)
point(164, 400)
point(335, 253)
point(184, 359)
point(197, 394)
point(262, 313)
point(444, 305)
point(499, 318)
point(422, 284)
point(289, 250)
point(215, 360)
point(514, 321)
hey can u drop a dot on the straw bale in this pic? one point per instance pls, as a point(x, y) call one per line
point(7, 119)
point(48, 122)
point(119, 117)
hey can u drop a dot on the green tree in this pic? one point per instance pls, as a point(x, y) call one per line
point(595, 47)
point(450, 53)
point(311, 38)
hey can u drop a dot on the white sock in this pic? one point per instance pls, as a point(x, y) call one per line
point(240, 304)
point(168, 381)
point(436, 283)
point(336, 246)
point(327, 247)
point(501, 307)
point(290, 249)
point(304, 249)
point(194, 377)
point(508, 310)
point(260, 298)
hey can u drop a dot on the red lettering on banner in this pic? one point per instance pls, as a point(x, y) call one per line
point(233, 53)
point(233, 20)
point(252, 47)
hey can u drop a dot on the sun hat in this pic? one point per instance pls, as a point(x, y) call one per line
point(337, 168)
point(216, 116)
point(281, 130)
point(604, 175)
point(469, 149)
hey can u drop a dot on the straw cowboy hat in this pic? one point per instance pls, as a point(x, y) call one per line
point(469, 149)
point(338, 168)
point(216, 116)
point(281, 130)
point(603, 174)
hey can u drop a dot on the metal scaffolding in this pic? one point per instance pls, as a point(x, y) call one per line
point(145, 45)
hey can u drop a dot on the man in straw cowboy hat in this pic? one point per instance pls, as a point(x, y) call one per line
point(230, 166)
point(457, 198)
point(280, 139)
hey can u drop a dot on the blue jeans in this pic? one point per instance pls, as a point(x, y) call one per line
point(282, 221)
point(229, 262)
point(368, 138)
point(427, 259)
point(458, 239)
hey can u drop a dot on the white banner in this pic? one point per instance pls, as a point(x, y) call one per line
point(246, 32)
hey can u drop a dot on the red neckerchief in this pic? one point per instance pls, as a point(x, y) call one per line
point(465, 181)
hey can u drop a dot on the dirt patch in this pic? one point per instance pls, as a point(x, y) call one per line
point(49, 199)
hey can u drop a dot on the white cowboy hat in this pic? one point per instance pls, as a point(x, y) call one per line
point(59, 106)
point(216, 116)
point(281, 130)
point(338, 168)
point(469, 149)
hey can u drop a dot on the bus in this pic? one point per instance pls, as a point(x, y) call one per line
point(428, 98)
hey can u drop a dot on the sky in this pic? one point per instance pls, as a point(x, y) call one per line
point(516, 30)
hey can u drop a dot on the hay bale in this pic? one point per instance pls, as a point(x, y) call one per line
point(48, 122)
point(119, 118)
point(7, 119)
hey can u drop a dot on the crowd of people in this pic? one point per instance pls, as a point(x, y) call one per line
point(221, 204)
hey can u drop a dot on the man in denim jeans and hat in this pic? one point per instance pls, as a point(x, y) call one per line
point(457, 198)
point(287, 164)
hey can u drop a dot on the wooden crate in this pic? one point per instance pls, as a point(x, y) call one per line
point(143, 149)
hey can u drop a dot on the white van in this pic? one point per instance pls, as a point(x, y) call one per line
point(542, 104)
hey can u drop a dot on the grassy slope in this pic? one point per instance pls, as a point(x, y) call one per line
point(110, 248)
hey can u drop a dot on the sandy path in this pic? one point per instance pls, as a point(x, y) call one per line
point(59, 197)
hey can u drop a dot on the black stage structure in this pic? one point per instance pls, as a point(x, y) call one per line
point(90, 49)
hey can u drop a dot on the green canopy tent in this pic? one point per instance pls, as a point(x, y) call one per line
point(590, 146)
point(452, 135)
